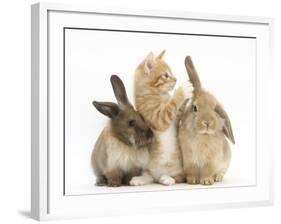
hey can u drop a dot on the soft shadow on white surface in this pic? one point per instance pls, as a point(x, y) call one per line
point(93, 189)
point(25, 213)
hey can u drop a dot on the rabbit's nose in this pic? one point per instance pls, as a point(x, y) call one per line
point(205, 123)
point(149, 133)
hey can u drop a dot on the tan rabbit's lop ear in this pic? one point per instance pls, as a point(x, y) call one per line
point(119, 90)
point(160, 56)
point(109, 109)
point(227, 129)
point(192, 73)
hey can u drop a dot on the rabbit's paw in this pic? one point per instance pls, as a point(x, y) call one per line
point(101, 181)
point(166, 180)
point(218, 177)
point(207, 181)
point(192, 180)
point(114, 182)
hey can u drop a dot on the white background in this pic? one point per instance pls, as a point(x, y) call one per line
point(226, 67)
point(15, 111)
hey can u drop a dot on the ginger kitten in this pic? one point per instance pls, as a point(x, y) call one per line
point(153, 81)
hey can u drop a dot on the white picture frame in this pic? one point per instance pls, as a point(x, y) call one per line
point(49, 199)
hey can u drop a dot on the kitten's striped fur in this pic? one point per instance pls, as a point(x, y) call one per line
point(153, 81)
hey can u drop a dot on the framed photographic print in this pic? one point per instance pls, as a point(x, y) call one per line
point(122, 122)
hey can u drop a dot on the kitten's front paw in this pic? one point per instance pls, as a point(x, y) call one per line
point(137, 181)
point(187, 90)
point(166, 180)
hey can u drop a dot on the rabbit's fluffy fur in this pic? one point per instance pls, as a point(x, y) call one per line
point(112, 159)
point(120, 152)
point(202, 131)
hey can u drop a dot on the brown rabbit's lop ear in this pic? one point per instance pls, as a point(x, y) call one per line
point(160, 56)
point(119, 90)
point(192, 73)
point(227, 129)
point(109, 109)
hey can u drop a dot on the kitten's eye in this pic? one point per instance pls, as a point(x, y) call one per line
point(195, 108)
point(166, 75)
point(132, 123)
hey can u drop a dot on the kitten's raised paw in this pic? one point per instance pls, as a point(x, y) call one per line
point(207, 181)
point(166, 180)
point(187, 90)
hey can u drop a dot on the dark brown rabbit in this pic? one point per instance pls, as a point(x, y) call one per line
point(121, 151)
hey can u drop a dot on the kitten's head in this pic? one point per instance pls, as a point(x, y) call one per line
point(157, 74)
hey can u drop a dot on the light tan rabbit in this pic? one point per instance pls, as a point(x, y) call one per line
point(203, 128)
point(121, 151)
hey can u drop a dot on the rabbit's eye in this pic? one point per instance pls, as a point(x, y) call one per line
point(195, 108)
point(132, 123)
point(142, 117)
point(166, 75)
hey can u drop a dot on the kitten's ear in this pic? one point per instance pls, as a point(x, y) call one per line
point(148, 63)
point(160, 56)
